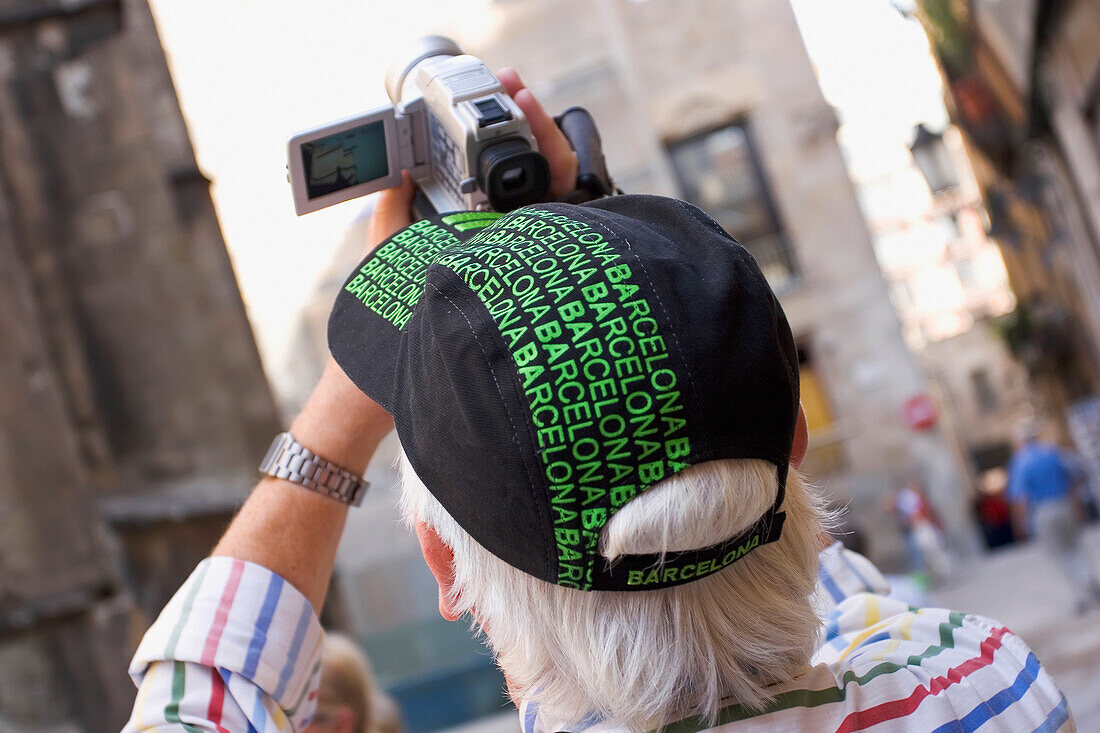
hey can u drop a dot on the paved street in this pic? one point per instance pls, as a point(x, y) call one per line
point(1023, 589)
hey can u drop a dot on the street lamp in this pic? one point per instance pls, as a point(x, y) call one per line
point(933, 159)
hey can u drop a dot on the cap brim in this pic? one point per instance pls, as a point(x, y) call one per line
point(379, 296)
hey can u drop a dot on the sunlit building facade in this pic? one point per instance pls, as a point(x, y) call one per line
point(1022, 80)
point(948, 282)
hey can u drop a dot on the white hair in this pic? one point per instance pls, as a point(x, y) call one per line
point(648, 658)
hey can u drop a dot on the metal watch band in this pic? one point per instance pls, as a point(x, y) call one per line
point(290, 460)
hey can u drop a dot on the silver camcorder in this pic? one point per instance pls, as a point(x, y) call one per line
point(452, 125)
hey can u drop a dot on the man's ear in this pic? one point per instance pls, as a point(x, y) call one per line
point(801, 439)
point(441, 561)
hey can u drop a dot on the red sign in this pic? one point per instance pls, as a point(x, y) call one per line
point(920, 412)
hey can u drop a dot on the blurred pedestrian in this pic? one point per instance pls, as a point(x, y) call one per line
point(349, 699)
point(1043, 484)
point(923, 531)
point(992, 510)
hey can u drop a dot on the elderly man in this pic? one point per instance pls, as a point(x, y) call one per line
point(600, 425)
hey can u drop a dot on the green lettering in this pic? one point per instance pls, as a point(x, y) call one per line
point(651, 473)
point(593, 519)
point(563, 515)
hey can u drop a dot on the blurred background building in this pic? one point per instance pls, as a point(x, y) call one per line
point(1023, 84)
point(949, 284)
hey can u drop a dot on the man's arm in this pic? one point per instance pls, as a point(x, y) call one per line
point(239, 644)
point(294, 532)
point(1077, 481)
point(1018, 509)
point(238, 647)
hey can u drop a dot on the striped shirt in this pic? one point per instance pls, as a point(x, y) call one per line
point(883, 665)
point(238, 649)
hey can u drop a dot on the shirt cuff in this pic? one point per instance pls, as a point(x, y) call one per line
point(243, 618)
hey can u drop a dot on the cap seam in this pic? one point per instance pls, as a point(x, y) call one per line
point(531, 483)
point(741, 252)
point(624, 241)
point(707, 220)
point(656, 293)
point(776, 311)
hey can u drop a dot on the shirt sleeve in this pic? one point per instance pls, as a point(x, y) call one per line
point(236, 649)
point(841, 574)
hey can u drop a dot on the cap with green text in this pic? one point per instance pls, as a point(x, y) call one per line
point(546, 366)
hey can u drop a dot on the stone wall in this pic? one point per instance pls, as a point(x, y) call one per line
point(130, 386)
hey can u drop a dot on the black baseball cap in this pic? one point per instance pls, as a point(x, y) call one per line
point(546, 366)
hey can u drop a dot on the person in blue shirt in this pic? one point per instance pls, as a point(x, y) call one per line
point(1043, 483)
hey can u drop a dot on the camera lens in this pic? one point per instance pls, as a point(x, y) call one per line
point(513, 179)
point(513, 175)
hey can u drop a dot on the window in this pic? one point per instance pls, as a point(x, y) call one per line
point(720, 172)
point(984, 393)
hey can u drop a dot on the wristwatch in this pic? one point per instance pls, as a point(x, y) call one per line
point(291, 461)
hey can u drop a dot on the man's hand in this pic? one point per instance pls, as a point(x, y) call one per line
point(551, 140)
point(392, 207)
point(392, 212)
point(291, 530)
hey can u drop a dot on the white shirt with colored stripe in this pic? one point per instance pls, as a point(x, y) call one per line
point(238, 649)
point(883, 665)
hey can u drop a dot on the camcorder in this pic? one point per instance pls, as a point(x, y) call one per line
point(453, 126)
